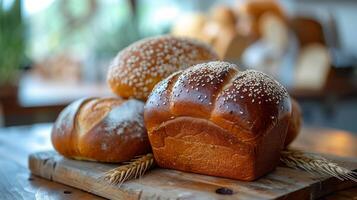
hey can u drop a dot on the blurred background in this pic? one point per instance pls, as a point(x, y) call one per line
point(53, 52)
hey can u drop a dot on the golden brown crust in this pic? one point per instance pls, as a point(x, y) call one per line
point(62, 136)
point(136, 70)
point(101, 129)
point(214, 106)
point(295, 122)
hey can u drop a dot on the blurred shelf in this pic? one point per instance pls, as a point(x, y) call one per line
point(36, 92)
point(37, 100)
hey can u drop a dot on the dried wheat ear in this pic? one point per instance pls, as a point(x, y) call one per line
point(133, 169)
point(315, 164)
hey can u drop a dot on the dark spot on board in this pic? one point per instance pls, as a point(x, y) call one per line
point(67, 192)
point(30, 179)
point(45, 161)
point(224, 191)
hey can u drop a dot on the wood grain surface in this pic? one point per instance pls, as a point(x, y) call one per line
point(17, 183)
point(283, 183)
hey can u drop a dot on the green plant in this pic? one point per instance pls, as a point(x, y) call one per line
point(12, 42)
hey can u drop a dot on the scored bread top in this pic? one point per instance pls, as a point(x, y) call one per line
point(136, 69)
point(101, 129)
point(246, 103)
point(92, 111)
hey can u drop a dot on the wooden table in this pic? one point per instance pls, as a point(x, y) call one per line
point(16, 143)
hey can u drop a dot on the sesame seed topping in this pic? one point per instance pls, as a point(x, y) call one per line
point(255, 85)
point(236, 92)
point(147, 61)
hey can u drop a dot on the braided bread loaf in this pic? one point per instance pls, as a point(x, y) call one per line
point(101, 129)
point(135, 70)
point(214, 119)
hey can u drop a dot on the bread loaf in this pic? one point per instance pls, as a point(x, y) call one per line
point(189, 25)
point(214, 119)
point(224, 16)
point(294, 124)
point(101, 129)
point(308, 31)
point(251, 11)
point(136, 69)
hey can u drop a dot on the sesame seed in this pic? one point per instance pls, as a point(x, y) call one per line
point(150, 60)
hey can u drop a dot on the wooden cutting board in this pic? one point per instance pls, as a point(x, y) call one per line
point(283, 183)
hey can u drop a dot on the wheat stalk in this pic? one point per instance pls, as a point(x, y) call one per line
point(133, 169)
point(315, 164)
